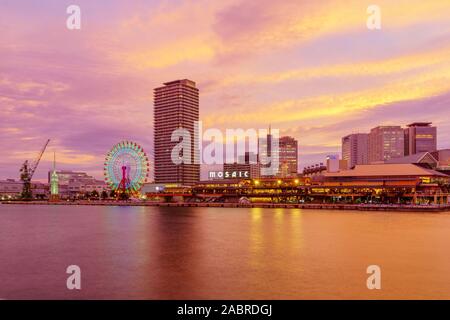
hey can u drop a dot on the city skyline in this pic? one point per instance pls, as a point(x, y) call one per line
point(90, 88)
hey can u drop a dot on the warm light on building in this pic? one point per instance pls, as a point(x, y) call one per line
point(420, 137)
point(288, 157)
point(385, 143)
point(176, 105)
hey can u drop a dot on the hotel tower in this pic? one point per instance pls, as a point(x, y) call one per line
point(176, 105)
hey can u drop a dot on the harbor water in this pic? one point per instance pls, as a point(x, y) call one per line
point(221, 253)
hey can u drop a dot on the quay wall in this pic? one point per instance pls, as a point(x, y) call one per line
point(316, 206)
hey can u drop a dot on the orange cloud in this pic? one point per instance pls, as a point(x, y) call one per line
point(292, 23)
point(342, 105)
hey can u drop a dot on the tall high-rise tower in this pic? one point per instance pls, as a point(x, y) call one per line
point(355, 149)
point(288, 157)
point(265, 154)
point(176, 106)
point(385, 143)
point(420, 137)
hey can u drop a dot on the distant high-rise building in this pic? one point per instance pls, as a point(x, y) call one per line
point(386, 142)
point(176, 106)
point(355, 149)
point(265, 153)
point(248, 163)
point(288, 156)
point(420, 137)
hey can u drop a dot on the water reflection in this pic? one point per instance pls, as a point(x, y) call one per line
point(220, 253)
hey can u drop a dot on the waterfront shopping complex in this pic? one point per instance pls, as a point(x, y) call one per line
point(387, 165)
point(365, 184)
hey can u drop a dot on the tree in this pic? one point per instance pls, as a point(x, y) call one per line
point(104, 194)
point(124, 196)
point(94, 194)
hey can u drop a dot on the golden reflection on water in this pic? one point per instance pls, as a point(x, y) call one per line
point(256, 236)
point(221, 253)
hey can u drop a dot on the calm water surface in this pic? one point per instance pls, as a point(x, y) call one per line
point(221, 253)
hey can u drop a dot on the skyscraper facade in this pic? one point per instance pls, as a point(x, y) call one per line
point(288, 156)
point(420, 137)
point(248, 163)
point(386, 142)
point(176, 106)
point(265, 153)
point(355, 148)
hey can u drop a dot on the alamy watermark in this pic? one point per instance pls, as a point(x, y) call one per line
point(228, 147)
point(74, 280)
point(374, 19)
point(73, 22)
point(374, 280)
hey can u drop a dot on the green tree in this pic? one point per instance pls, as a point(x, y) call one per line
point(94, 194)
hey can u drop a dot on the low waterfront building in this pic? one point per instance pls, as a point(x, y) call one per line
point(40, 190)
point(10, 189)
point(65, 176)
point(390, 183)
point(73, 184)
point(380, 183)
point(382, 173)
point(79, 188)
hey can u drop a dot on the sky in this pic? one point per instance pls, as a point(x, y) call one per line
point(311, 69)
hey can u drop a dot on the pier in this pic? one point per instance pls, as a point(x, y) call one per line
point(316, 206)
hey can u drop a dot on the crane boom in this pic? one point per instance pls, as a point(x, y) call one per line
point(38, 159)
point(27, 172)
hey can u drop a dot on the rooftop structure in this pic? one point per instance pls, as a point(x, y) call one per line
point(387, 170)
point(420, 137)
point(424, 159)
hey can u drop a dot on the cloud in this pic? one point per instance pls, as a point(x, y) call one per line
point(310, 68)
point(328, 107)
point(252, 26)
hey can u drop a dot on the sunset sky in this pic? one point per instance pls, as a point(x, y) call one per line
point(310, 68)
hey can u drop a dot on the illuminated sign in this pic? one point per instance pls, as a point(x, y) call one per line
point(229, 174)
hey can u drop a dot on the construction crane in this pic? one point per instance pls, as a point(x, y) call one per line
point(27, 172)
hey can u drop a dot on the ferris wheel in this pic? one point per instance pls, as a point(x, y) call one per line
point(126, 167)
